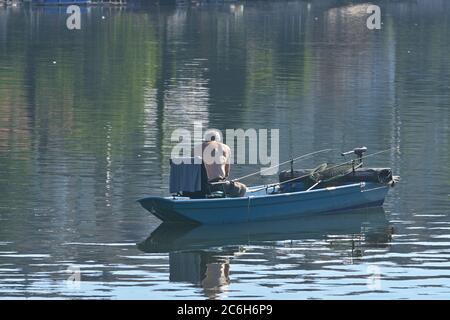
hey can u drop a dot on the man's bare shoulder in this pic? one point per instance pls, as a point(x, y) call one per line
point(225, 147)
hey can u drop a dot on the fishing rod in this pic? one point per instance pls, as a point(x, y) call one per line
point(280, 164)
point(332, 167)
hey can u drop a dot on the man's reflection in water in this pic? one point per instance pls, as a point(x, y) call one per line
point(203, 269)
point(217, 278)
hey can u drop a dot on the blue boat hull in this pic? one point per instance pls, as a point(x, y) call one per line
point(265, 207)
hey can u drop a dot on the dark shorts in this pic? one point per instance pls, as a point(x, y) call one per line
point(231, 188)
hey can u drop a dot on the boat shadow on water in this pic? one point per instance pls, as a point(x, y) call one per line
point(202, 254)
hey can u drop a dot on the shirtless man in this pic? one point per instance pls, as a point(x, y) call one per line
point(216, 157)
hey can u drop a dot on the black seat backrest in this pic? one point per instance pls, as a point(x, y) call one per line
point(204, 186)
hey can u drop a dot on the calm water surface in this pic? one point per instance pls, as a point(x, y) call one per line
point(85, 124)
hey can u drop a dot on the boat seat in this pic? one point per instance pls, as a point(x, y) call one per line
point(188, 178)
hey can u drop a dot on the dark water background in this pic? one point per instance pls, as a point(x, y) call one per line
point(85, 124)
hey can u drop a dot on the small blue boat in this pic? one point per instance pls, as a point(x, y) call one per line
point(330, 190)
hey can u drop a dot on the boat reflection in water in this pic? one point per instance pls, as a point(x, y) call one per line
point(201, 254)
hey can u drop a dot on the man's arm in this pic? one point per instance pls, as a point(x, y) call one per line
point(227, 152)
point(227, 170)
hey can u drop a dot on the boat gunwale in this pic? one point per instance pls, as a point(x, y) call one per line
point(175, 200)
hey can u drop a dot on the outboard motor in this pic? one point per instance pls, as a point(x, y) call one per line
point(358, 151)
